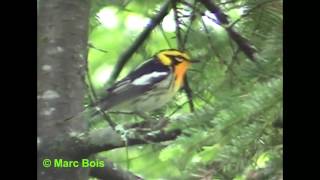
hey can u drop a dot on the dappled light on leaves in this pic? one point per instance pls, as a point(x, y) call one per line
point(108, 17)
point(168, 23)
point(136, 22)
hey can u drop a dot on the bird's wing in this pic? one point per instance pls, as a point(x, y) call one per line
point(135, 84)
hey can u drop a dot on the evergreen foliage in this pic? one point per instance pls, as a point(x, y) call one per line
point(232, 133)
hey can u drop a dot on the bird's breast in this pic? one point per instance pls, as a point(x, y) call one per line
point(180, 72)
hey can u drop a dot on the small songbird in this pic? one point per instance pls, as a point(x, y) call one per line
point(149, 87)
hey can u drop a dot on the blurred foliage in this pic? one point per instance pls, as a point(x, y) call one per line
point(231, 135)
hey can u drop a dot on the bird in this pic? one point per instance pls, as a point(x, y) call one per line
point(150, 86)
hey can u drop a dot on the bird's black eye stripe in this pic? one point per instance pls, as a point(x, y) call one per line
point(181, 57)
point(175, 58)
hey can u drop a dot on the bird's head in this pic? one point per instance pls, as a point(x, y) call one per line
point(174, 57)
point(180, 62)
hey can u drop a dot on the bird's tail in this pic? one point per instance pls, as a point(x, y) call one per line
point(88, 113)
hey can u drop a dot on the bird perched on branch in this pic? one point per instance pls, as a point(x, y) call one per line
point(150, 86)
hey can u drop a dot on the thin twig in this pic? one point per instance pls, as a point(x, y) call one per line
point(227, 2)
point(188, 91)
point(203, 99)
point(93, 97)
point(210, 43)
point(108, 119)
point(177, 21)
point(190, 5)
point(178, 108)
point(192, 18)
point(124, 113)
point(181, 45)
point(98, 49)
point(165, 36)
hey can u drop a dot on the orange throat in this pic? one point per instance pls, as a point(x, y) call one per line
point(180, 71)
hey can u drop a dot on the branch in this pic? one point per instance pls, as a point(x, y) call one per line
point(107, 139)
point(242, 42)
point(124, 58)
point(112, 171)
point(157, 137)
point(212, 7)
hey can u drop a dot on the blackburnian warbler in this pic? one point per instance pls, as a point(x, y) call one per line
point(149, 87)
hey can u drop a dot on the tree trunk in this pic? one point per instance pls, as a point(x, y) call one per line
point(62, 53)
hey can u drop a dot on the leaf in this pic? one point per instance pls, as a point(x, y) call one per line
point(263, 160)
point(208, 154)
point(171, 152)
